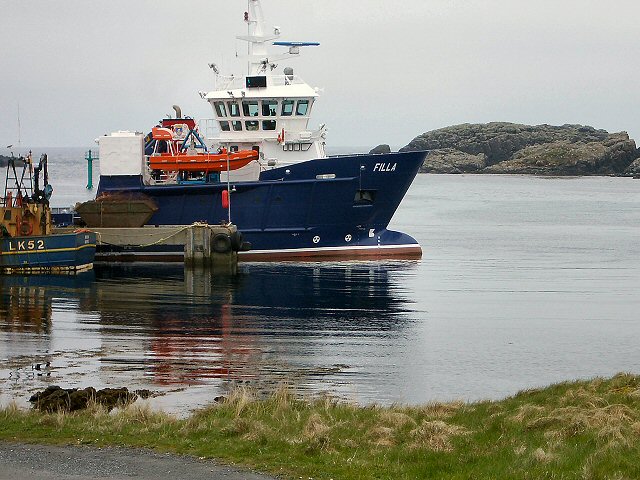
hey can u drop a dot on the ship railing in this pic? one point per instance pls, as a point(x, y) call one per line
point(233, 83)
point(160, 178)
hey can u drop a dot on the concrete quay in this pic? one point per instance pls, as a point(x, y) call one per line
point(197, 245)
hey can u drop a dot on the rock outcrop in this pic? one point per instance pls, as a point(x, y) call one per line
point(633, 170)
point(526, 149)
point(384, 148)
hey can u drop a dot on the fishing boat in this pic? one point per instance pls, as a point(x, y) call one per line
point(27, 244)
point(260, 165)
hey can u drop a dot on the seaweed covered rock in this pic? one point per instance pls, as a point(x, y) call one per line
point(514, 148)
point(54, 398)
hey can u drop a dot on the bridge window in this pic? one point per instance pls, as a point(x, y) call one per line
point(234, 109)
point(287, 108)
point(237, 125)
point(221, 110)
point(269, 108)
point(250, 108)
point(268, 124)
point(224, 126)
point(252, 125)
point(303, 107)
point(296, 147)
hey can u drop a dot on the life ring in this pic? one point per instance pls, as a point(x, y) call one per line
point(221, 243)
point(26, 229)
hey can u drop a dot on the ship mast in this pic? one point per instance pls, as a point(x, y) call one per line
point(19, 132)
point(257, 56)
point(259, 61)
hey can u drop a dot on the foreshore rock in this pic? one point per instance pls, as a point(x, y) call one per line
point(54, 398)
point(526, 149)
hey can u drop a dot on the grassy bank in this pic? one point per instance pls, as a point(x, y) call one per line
point(586, 430)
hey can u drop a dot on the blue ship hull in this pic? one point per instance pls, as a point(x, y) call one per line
point(48, 253)
point(320, 208)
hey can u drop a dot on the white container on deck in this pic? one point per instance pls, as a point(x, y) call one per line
point(121, 153)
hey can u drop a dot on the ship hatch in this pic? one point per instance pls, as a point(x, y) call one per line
point(364, 197)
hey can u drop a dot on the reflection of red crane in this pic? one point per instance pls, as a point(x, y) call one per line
point(174, 356)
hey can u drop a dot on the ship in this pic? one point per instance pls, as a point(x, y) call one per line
point(27, 242)
point(286, 195)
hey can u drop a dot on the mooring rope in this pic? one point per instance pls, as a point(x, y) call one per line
point(164, 239)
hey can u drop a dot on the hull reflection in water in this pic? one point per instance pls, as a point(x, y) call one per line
point(194, 335)
point(26, 301)
point(262, 325)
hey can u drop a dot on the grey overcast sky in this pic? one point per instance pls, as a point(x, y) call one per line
point(389, 70)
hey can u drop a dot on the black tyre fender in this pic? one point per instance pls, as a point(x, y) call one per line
point(221, 243)
point(236, 241)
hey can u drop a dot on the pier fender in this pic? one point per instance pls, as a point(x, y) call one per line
point(221, 243)
point(236, 241)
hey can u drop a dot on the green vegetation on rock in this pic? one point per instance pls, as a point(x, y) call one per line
point(578, 430)
point(526, 149)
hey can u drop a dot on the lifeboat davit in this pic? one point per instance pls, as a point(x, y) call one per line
point(202, 162)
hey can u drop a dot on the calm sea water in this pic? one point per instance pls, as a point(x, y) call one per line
point(524, 281)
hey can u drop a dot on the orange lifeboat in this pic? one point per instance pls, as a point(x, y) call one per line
point(202, 162)
point(160, 133)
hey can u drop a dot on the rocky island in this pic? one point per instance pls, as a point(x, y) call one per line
point(499, 147)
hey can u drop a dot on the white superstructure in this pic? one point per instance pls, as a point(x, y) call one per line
point(263, 110)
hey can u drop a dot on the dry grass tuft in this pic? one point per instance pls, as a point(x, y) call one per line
point(240, 398)
point(329, 403)
point(248, 429)
point(436, 435)
point(396, 420)
point(316, 433)
point(584, 395)
point(541, 456)
point(142, 415)
point(48, 420)
point(11, 410)
point(259, 433)
point(609, 423)
point(527, 411)
point(238, 427)
point(283, 397)
point(440, 410)
point(96, 410)
point(382, 436)
point(520, 450)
